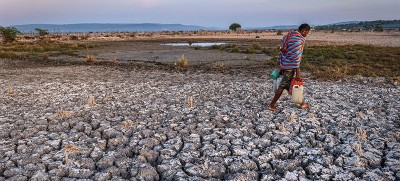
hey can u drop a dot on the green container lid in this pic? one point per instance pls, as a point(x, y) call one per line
point(274, 75)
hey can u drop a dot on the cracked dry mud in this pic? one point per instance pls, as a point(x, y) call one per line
point(138, 125)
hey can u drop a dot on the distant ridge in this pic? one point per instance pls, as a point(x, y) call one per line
point(345, 23)
point(100, 27)
point(377, 25)
point(280, 27)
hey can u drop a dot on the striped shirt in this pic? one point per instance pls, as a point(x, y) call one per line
point(292, 57)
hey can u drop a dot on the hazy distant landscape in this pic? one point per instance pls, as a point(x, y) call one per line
point(95, 27)
point(155, 27)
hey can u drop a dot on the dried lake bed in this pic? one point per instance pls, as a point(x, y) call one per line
point(104, 122)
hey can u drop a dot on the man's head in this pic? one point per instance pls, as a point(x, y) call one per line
point(304, 29)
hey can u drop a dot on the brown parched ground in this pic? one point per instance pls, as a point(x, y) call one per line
point(131, 113)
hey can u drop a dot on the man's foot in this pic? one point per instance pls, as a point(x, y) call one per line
point(304, 105)
point(273, 108)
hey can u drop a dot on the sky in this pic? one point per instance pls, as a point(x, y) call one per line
point(208, 13)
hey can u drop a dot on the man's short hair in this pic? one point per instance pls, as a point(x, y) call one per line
point(304, 26)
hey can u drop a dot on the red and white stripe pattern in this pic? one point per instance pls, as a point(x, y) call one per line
point(291, 58)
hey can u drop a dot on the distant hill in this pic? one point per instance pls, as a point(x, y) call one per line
point(345, 23)
point(362, 25)
point(96, 27)
point(281, 27)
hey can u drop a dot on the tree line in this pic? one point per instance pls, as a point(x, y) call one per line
point(364, 25)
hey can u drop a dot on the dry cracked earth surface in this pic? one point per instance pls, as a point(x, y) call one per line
point(110, 123)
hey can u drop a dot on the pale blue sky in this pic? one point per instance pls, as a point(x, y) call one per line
point(210, 13)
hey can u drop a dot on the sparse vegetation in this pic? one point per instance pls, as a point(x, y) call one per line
point(361, 134)
point(292, 117)
point(42, 32)
point(282, 127)
point(235, 50)
point(257, 46)
point(90, 58)
point(10, 55)
point(250, 50)
point(10, 91)
point(41, 50)
point(127, 123)
point(182, 62)
point(279, 32)
point(9, 33)
point(217, 47)
point(218, 65)
point(329, 62)
point(190, 101)
point(358, 149)
point(337, 62)
point(63, 114)
point(91, 101)
point(70, 149)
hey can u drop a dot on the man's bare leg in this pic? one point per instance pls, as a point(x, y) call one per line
point(278, 94)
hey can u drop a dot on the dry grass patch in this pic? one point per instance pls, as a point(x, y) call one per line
point(182, 62)
point(190, 101)
point(90, 58)
point(70, 149)
point(91, 101)
point(335, 62)
point(127, 123)
point(282, 127)
point(39, 49)
point(114, 60)
point(218, 65)
point(10, 91)
point(292, 117)
point(63, 114)
point(358, 149)
point(338, 62)
point(361, 134)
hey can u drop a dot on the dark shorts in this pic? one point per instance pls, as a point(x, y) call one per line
point(287, 77)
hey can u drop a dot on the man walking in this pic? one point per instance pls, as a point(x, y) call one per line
point(289, 60)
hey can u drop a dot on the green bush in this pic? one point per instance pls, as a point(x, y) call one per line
point(42, 32)
point(235, 50)
point(11, 55)
point(250, 51)
point(257, 46)
point(9, 33)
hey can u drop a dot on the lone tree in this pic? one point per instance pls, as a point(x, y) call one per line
point(9, 33)
point(235, 26)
